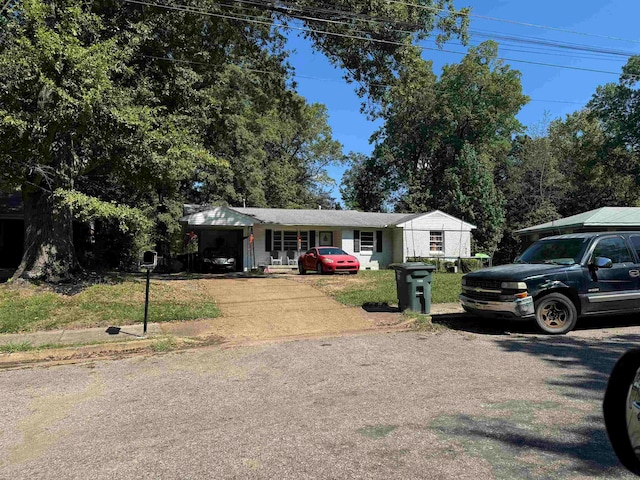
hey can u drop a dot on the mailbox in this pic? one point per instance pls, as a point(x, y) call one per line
point(149, 260)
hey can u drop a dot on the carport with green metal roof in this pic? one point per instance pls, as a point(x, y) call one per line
point(598, 220)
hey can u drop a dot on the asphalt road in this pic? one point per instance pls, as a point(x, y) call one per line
point(480, 404)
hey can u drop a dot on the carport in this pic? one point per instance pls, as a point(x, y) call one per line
point(223, 228)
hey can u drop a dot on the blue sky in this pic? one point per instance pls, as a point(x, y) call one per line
point(557, 91)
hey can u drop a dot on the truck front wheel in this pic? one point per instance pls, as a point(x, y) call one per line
point(556, 314)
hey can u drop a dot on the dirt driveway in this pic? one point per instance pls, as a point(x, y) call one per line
point(277, 307)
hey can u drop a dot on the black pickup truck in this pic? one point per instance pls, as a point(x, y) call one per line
point(560, 278)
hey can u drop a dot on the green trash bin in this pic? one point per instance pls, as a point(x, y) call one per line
point(413, 284)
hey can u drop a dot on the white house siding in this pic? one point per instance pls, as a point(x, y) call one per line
point(371, 260)
point(397, 235)
point(456, 236)
point(457, 244)
point(259, 237)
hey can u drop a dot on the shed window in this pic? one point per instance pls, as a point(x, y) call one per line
point(436, 242)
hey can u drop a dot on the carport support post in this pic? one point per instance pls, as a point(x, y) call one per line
point(146, 302)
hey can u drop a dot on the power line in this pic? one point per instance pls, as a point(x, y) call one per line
point(514, 22)
point(443, 10)
point(330, 80)
point(187, 9)
point(394, 22)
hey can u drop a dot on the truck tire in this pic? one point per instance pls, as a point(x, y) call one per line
point(556, 314)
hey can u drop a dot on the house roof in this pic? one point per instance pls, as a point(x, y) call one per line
point(605, 217)
point(339, 218)
point(215, 217)
point(282, 216)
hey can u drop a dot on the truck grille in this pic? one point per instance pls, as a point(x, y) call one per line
point(490, 289)
point(487, 296)
point(485, 284)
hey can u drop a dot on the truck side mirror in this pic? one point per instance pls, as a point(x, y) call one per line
point(602, 262)
point(621, 408)
point(149, 260)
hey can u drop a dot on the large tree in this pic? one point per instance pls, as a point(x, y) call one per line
point(533, 185)
point(443, 137)
point(146, 105)
point(598, 170)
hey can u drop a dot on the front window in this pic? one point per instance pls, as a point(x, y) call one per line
point(288, 240)
point(366, 241)
point(561, 251)
point(436, 242)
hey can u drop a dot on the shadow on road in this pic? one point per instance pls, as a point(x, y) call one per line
point(585, 362)
point(565, 451)
point(498, 326)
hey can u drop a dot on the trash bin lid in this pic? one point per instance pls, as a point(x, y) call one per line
point(413, 266)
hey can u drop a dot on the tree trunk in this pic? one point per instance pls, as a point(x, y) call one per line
point(49, 253)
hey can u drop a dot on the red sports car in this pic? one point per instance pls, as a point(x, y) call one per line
point(329, 260)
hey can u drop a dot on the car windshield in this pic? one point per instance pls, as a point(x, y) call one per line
point(559, 251)
point(331, 251)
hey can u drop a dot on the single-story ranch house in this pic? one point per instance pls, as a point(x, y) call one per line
point(612, 219)
point(258, 236)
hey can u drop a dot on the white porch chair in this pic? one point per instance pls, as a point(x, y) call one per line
point(276, 259)
point(292, 258)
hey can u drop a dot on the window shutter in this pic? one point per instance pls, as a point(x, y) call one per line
point(267, 241)
point(378, 240)
point(356, 240)
point(312, 238)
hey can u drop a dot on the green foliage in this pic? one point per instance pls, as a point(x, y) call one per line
point(364, 185)
point(86, 208)
point(373, 65)
point(164, 345)
point(470, 194)
point(602, 172)
point(443, 139)
point(13, 347)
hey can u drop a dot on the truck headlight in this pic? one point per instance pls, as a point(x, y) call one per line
point(464, 281)
point(513, 286)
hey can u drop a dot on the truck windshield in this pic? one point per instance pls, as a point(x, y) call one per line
point(561, 251)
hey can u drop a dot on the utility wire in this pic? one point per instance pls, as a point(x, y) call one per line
point(393, 22)
point(598, 53)
point(514, 22)
point(187, 9)
point(330, 80)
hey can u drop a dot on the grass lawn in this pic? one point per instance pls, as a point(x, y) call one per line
point(28, 309)
point(379, 286)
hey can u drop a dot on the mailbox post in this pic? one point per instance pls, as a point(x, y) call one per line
point(149, 262)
